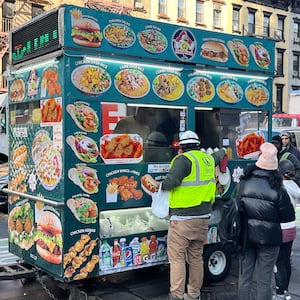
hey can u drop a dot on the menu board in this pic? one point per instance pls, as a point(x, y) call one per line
point(103, 32)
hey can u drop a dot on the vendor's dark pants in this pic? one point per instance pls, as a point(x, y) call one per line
point(284, 270)
point(261, 259)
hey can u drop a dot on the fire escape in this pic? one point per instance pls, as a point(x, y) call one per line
point(109, 6)
point(7, 24)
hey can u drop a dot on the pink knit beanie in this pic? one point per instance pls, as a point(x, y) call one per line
point(268, 157)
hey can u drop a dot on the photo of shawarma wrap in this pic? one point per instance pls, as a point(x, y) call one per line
point(84, 210)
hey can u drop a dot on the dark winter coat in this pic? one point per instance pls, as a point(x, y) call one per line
point(264, 208)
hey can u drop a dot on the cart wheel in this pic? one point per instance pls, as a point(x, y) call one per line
point(76, 294)
point(217, 262)
point(28, 280)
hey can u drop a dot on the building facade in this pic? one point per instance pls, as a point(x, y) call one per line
point(268, 19)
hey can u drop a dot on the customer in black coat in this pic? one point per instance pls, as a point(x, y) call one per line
point(264, 205)
point(284, 153)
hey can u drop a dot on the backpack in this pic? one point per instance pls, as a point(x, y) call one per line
point(229, 227)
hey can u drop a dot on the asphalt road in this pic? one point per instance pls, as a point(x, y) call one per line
point(149, 283)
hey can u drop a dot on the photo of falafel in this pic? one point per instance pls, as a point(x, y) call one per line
point(21, 226)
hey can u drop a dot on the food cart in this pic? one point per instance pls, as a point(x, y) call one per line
point(80, 184)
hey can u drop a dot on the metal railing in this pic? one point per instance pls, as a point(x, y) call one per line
point(7, 25)
point(263, 31)
point(3, 83)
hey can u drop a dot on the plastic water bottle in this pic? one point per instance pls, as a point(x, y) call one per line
point(105, 256)
point(136, 252)
point(123, 251)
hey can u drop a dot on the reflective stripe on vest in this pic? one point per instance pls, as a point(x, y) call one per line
point(198, 181)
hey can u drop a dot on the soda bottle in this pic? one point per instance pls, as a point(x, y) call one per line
point(136, 252)
point(152, 247)
point(144, 250)
point(105, 256)
point(123, 251)
point(116, 253)
point(128, 256)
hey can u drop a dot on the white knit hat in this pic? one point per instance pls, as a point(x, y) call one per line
point(268, 157)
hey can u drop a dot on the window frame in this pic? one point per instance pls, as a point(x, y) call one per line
point(236, 11)
point(251, 13)
point(162, 7)
point(266, 24)
point(199, 15)
point(181, 9)
point(38, 8)
point(280, 62)
point(217, 15)
point(296, 64)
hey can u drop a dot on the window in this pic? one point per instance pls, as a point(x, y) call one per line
point(280, 28)
point(158, 127)
point(280, 53)
point(296, 64)
point(8, 9)
point(181, 9)
point(278, 100)
point(36, 10)
point(266, 26)
point(199, 12)
point(251, 22)
point(162, 7)
point(217, 15)
point(236, 19)
point(296, 28)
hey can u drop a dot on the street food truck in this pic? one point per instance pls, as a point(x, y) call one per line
point(97, 104)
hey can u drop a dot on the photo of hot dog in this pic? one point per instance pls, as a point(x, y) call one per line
point(214, 51)
point(86, 32)
point(149, 184)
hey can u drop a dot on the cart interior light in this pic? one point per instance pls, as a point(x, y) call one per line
point(157, 106)
point(231, 74)
point(42, 64)
point(203, 108)
point(127, 62)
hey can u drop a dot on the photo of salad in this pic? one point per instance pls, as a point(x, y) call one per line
point(119, 35)
point(152, 41)
point(90, 79)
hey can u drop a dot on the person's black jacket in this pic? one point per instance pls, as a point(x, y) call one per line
point(265, 204)
point(285, 154)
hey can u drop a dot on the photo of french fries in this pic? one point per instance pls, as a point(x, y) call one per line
point(249, 144)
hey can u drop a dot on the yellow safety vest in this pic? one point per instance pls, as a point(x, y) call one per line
point(199, 186)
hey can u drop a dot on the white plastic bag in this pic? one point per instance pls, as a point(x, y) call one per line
point(160, 203)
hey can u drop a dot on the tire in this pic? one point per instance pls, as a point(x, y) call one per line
point(217, 262)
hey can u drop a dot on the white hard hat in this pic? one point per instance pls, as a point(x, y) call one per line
point(189, 137)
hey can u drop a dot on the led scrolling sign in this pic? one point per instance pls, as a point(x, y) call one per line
point(35, 39)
